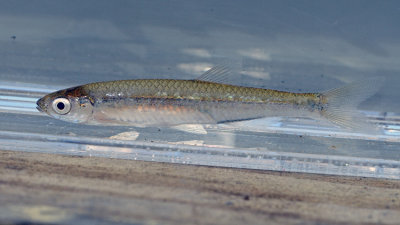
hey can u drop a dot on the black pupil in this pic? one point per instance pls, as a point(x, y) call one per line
point(60, 106)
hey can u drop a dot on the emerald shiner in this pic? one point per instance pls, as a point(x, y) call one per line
point(206, 100)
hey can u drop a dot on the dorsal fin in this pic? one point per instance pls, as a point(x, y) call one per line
point(217, 74)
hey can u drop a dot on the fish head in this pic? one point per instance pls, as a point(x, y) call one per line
point(72, 105)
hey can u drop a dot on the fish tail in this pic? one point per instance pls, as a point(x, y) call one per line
point(340, 104)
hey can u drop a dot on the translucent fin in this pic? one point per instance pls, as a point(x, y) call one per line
point(341, 106)
point(217, 74)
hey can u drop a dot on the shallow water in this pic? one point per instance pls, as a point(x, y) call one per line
point(294, 46)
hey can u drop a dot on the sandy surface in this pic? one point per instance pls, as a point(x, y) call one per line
point(55, 189)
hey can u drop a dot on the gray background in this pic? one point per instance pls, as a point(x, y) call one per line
point(287, 45)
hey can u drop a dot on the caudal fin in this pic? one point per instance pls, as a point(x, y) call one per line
point(341, 104)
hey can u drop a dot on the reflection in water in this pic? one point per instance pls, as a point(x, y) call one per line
point(255, 53)
point(106, 149)
point(127, 136)
point(189, 142)
point(199, 52)
point(257, 72)
point(191, 128)
point(255, 150)
point(194, 68)
point(42, 213)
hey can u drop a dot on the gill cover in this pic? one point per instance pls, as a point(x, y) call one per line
point(72, 105)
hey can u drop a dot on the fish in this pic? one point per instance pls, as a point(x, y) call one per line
point(205, 100)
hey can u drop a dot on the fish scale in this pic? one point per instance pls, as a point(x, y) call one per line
point(189, 88)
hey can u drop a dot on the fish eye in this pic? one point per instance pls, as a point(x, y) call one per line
point(61, 106)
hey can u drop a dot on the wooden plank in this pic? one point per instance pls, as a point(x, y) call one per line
point(57, 189)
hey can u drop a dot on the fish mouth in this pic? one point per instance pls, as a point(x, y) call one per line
point(39, 109)
point(40, 105)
